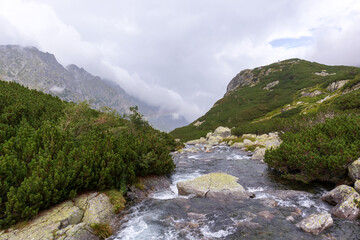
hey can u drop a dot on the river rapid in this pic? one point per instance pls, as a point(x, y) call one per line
point(272, 214)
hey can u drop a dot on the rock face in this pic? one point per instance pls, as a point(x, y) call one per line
point(271, 85)
point(66, 221)
point(316, 223)
point(244, 78)
point(354, 170)
point(336, 85)
point(311, 94)
point(97, 207)
point(213, 185)
point(336, 195)
point(347, 208)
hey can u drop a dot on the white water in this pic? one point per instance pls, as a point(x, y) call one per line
point(165, 215)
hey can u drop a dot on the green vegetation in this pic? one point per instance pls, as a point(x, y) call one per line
point(320, 126)
point(250, 107)
point(50, 150)
point(116, 199)
point(321, 152)
point(102, 230)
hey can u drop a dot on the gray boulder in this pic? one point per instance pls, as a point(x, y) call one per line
point(223, 132)
point(357, 186)
point(354, 170)
point(214, 185)
point(316, 223)
point(97, 207)
point(347, 208)
point(336, 195)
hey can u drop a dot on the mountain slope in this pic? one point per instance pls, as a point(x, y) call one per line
point(278, 90)
point(38, 70)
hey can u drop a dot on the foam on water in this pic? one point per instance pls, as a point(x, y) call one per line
point(205, 230)
point(173, 191)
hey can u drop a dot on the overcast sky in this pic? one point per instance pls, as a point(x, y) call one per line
point(181, 54)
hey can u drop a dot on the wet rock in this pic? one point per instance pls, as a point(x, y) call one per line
point(357, 186)
point(150, 184)
point(213, 185)
point(296, 213)
point(290, 218)
point(284, 194)
point(250, 225)
point(316, 223)
point(336, 195)
point(354, 170)
point(223, 132)
point(197, 216)
point(193, 225)
point(347, 208)
point(268, 202)
point(266, 214)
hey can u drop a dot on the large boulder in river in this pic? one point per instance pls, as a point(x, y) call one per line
point(223, 132)
point(336, 195)
point(347, 208)
point(354, 170)
point(316, 223)
point(213, 185)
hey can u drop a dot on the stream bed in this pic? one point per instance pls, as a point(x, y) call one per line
point(272, 214)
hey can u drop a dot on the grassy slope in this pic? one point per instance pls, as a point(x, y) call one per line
point(250, 104)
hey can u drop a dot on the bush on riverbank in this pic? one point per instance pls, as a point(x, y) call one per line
point(321, 152)
point(50, 150)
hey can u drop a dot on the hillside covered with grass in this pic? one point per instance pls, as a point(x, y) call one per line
point(264, 99)
point(50, 150)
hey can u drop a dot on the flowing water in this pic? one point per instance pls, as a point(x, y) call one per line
point(166, 215)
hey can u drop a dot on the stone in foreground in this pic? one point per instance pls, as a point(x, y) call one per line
point(347, 208)
point(316, 223)
point(336, 195)
point(214, 185)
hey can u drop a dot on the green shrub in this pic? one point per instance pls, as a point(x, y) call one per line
point(321, 152)
point(50, 150)
point(102, 230)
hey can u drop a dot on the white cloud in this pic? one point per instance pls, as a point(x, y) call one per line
point(180, 55)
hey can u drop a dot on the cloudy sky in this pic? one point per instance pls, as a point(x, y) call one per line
point(181, 54)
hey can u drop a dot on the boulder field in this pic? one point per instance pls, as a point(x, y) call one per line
point(257, 144)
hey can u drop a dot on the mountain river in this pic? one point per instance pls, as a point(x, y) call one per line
point(166, 215)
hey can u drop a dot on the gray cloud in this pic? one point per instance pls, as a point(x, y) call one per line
point(180, 55)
